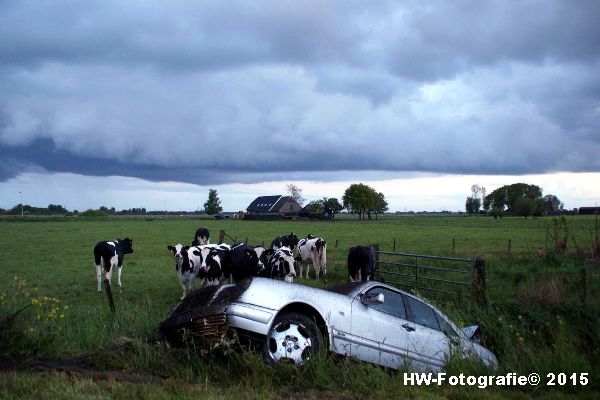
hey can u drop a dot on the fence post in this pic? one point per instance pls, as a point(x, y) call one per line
point(222, 236)
point(336, 244)
point(479, 280)
point(246, 240)
point(509, 244)
point(416, 273)
point(453, 243)
point(583, 285)
point(394, 245)
point(109, 294)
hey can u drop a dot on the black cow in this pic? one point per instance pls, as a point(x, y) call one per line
point(110, 254)
point(245, 261)
point(201, 237)
point(290, 241)
point(361, 263)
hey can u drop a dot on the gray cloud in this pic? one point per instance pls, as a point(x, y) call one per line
point(207, 93)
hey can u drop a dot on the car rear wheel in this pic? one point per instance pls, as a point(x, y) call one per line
point(294, 338)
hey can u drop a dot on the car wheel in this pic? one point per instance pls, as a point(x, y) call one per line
point(294, 338)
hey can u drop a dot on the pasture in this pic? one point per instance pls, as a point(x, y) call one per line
point(535, 320)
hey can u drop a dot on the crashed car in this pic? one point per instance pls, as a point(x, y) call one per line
point(370, 321)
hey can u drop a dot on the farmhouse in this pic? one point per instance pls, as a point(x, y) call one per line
point(272, 207)
point(589, 210)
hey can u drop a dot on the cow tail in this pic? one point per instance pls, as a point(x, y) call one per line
point(322, 252)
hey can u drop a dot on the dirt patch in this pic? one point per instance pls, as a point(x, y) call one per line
point(76, 368)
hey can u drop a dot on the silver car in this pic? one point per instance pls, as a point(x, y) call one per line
point(370, 321)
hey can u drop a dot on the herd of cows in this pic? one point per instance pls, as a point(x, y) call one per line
point(216, 263)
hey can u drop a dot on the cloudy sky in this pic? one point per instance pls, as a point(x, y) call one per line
point(149, 104)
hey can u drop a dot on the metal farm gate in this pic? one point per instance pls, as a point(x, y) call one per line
point(432, 276)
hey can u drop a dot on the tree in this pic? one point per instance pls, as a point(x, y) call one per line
point(505, 197)
point(552, 203)
point(332, 206)
point(213, 204)
point(381, 205)
point(316, 206)
point(363, 200)
point(524, 207)
point(477, 192)
point(472, 205)
point(296, 193)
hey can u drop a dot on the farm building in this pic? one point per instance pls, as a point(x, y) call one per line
point(272, 207)
point(589, 210)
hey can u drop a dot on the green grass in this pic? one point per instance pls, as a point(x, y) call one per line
point(535, 320)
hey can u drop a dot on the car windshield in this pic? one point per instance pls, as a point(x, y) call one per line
point(344, 288)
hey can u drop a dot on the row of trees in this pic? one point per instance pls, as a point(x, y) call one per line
point(518, 199)
point(358, 199)
point(52, 209)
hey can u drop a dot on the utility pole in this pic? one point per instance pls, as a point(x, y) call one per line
point(21, 194)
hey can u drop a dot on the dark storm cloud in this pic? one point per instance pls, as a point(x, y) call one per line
point(247, 91)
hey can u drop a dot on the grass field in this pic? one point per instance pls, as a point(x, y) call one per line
point(535, 319)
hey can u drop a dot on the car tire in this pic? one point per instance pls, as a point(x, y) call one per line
point(294, 339)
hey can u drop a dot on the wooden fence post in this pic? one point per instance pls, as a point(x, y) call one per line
point(509, 244)
point(109, 294)
point(394, 245)
point(222, 236)
point(583, 285)
point(336, 244)
point(453, 243)
point(479, 281)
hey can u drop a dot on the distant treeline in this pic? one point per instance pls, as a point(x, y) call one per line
point(57, 209)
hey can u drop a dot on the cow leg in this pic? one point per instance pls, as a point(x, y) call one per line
point(183, 283)
point(317, 271)
point(119, 276)
point(99, 276)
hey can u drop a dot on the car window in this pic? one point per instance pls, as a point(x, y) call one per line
point(446, 327)
point(393, 303)
point(423, 314)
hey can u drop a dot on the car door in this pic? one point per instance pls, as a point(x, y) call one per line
point(431, 336)
point(378, 330)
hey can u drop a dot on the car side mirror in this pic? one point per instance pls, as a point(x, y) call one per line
point(372, 298)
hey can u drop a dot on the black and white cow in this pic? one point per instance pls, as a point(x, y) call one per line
point(213, 259)
point(312, 250)
point(185, 273)
point(245, 261)
point(361, 263)
point(282, 264)
point(290, 241)
point(201, 237)
point(109, 254)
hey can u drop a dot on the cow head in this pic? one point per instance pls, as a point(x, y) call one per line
point(282, 264)
point(177, 251)
point(210, 260)
point(126, 245)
